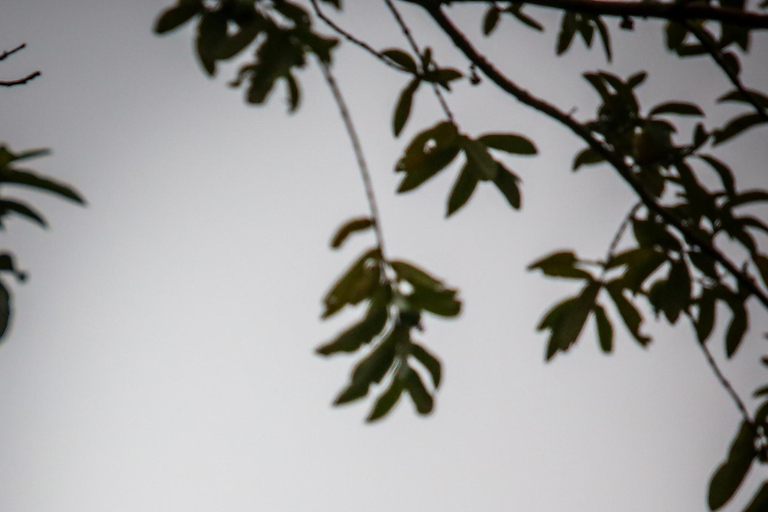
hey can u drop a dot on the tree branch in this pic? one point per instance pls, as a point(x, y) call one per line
point(677, 11)
point(20, 81)
point(706, 39)
point(625, 171)
point(8, 53)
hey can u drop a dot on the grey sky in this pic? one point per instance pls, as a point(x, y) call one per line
point(161, 358)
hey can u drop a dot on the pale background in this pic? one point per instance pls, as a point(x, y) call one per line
point(161, 354)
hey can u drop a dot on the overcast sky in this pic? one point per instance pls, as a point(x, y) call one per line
point(161, 353)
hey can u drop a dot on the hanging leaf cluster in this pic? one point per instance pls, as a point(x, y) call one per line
point(396, 294)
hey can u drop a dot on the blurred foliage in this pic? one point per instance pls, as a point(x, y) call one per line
point(666, 258)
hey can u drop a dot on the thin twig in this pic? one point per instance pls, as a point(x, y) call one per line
point(415, 47)
point(20, 81)
point(706, 39)
point(674, 11)
point(727, 385)
point(358, 150)
point(8, 53)
point(616, 160)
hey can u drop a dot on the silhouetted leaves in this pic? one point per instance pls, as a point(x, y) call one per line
point(736, 126)
point(731, 473)
point(348, 228)
point(403, 107)
point(463, 188)
point(357, 283)
point(175, 16)
point(427, 154)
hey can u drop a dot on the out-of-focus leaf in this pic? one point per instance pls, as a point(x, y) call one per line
point(527, 20)
point(567, 31)
point(630, 314)
point(604, 329)
point(750, 196)
point(737, 328)
point(566, 320)
point(401, 58)
point(737, 96)
point(403, 108)
point(736, 126)
point(506, 182)
point(675, 35)
point(438, 302)
point(605, 37)
point(348, 228)
point(640, 263)
point(430, 362)
point(373, 368)
point(678, 108)
point(5, 309)
point(509, 142)
point(587, 156)
point(427, 154)
point(356, 284)
point(7, 205)
point(723, 171)
point(479, 157)
point(759, 501)
point(650, 234)
point(29, 179)
point(678, 296)
point(386, 400)
point(491, 19)
point(560, 264)
point(731, 473)
point(211, 32)
point(415, 275)
point(761, 262)
point(462, 189)
point(415, 387)
point(586, 30)
point(705, 320)
point(364, 331)
point(175, 16)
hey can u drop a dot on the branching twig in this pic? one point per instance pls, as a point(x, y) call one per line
point(674, 11)
point(20, 81)
point(358, 150)
point(706, 39)
point(415, 48)
point(581, 131)
point(8, 53)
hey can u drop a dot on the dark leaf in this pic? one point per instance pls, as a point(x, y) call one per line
point(491, 19)
point(5, 309)
point(427, 154)
point(678, 291)
point(415, 387)
point(211, 32)
point(294, 95)
point(587, 156)
point(357, 283)
point(650, 234)
point(759, 501)
point(462, 189)
point(598, 83)
point(438, 302)
point(604, 329)
point(479, 158)
point(509, 142)
point(29, 179)
point(386, 400)
point(761, 262)
point(506, 182)
point(401, 58)
point(705, 263)
point(415, 275)
point(630, 314)
point(641, 262)
point(177, 15)
point(403, 108)
point(430, 362)
point(605, 37)
point(443, 77)
point(363, 332)
point(675, 35)
point(586, 30)
point(737, 126)
point(750, 196)
point(7, 205)
point(737, 96)
point(731, 473)
point(566, 320)
point(737, 328)
point(560, 264)
point(567, 31)
point(527, 20)
point(636, 79)
point(679, 108)
point(722, 170)
point(348, 228)
point(705, 321)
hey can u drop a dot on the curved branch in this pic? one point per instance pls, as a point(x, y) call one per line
point(677, 11)
point(20, 81)
point(625, 171)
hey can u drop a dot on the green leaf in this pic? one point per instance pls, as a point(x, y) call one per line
point(736, 126)
point(506, 182)
point(491, 19)
point(650, 233)
point(604, 329)
point(560, 264)
point(587, 156)
point(5, 309)
point(386, 401)
point(415, 275)
point(678, 108)
point(630, 314)
point(761, 262)
point(509, 142)
point(567, 31)
point(357, 283)
point(29, 179)
point(705, 321)
point(177, 15)
point(403, 107)
point(737, 328)
point(232, 45)
point(462, 189)
point(443, 77)
point(348, 228)
point(361, 333)
point(737, 96)
point(731, 473)
point(722, 170)
point(478, 156)
point(759, 501)
point(641, 262)
point(415, 387)
point(430, 362)
point(678, 291)
point(438, 302)
point(211, 32)
point(566, 320)
point(401, 58)
point(7, 205)
point(605, 37)
point(427, 154)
